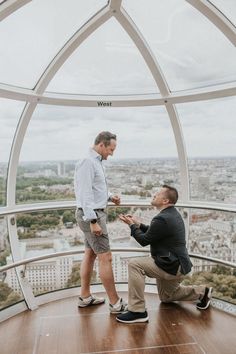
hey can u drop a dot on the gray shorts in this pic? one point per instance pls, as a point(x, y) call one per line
point(99, 244)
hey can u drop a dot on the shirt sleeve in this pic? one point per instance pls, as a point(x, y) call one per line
point(110, 195)
point(84, 178)
point(156, 231)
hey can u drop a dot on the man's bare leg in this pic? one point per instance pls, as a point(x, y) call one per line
point(107, 277)
point(86, 271)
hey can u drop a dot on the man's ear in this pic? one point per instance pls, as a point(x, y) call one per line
point(166, 201)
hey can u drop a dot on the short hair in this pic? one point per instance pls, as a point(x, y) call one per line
point(171, 193)
point(104, 137)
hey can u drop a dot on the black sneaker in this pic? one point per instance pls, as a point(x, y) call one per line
point(204, 303)
point(132, 317)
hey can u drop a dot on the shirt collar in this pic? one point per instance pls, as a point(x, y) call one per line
point(95, 154)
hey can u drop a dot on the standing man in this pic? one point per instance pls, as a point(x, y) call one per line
point(91, 198)
point(169, 261)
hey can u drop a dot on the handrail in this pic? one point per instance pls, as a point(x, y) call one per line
point(69, 204)
point(139, 250)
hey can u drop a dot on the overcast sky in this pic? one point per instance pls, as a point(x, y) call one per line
point(109, 63)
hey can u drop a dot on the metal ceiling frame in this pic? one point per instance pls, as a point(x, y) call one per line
point(165, 98)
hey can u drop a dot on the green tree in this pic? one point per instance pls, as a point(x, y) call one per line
point(11, 299)
point(3, 257)
point(68, 216)
point(224, 284)
point(5, 291)
point(218, 269)
point(113, 213)
point(33, 222)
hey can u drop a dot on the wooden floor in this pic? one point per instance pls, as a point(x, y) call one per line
point(61, 328)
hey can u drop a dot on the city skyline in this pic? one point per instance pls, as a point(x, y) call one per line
point(114, 159)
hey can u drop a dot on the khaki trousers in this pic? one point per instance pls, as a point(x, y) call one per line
point(169, 286)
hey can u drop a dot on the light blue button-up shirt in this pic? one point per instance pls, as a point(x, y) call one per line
point(90, 185)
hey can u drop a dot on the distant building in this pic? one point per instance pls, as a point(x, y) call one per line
point(46, 275)
point(61, 170)
point(203, 187)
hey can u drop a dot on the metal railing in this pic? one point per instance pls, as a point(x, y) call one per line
point(123, 250)
point(70, 204)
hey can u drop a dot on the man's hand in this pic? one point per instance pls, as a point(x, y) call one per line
point(129, 219)
point(96, 229)
point(115, 199)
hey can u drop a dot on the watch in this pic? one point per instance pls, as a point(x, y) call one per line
point(93, 221)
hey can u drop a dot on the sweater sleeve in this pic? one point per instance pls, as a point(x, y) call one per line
point(143, 227)
point(146, 236)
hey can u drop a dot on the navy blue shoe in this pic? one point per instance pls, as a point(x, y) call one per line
point(204, 303)
point(133, 317)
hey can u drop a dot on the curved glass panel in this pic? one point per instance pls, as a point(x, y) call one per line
point(10, 112)
point(35, 33)
point(212, 234)
point(48, 232)
point(221, 278)
point(209, 132)
point(42, 233)
point(106, 63)
point(228, 8)
point(57, 137)
point(186, 44)
point(10, 292)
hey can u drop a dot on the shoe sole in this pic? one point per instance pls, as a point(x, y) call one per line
point(138, 320)
point(209, 295)
point(92, 304)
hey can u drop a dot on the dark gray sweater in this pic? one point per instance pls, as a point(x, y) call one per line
point(166, 237)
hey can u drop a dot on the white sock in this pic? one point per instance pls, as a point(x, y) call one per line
point(117, 303)
point(86, 298)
